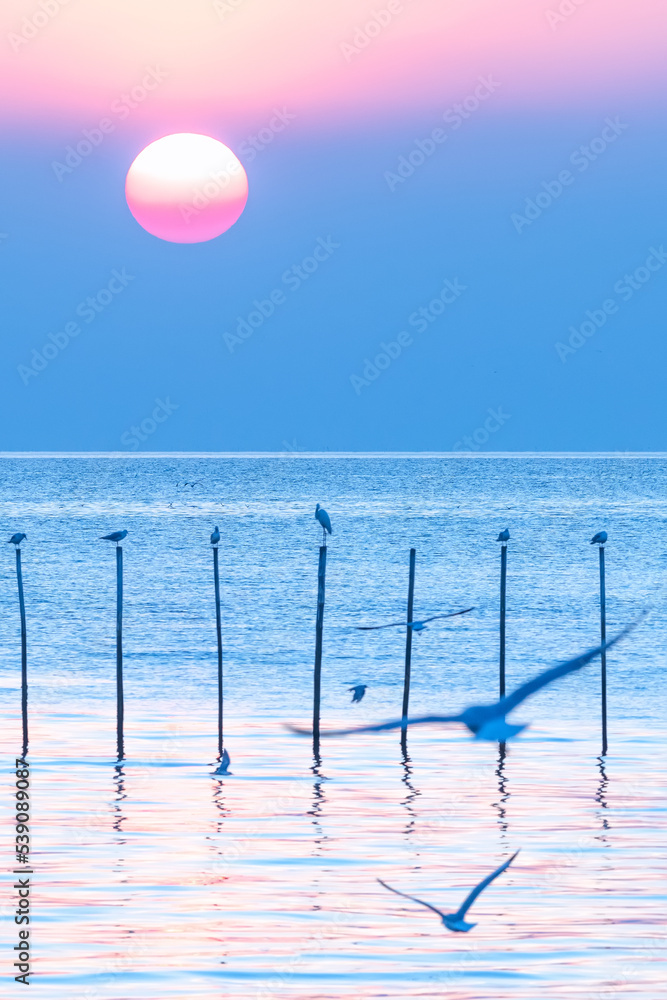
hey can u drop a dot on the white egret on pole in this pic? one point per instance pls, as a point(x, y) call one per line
point(324, 519)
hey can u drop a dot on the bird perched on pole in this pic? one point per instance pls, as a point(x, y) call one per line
point(215, 536)
point(504, 536)
point(600, 538)
point(324, 519)
point(16, 539)
point(115, 536)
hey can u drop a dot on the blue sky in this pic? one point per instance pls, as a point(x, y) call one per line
point(298, 381)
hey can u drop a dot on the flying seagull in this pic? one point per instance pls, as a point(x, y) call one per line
point(115, 536)
point(455, 921)
point(223, 767)
point(215, 536)
point(358, 691)
point(415, 626)
point(16, 539)
point(504, 536)
point(600, 538)
point(487, 722)
point(324, 519)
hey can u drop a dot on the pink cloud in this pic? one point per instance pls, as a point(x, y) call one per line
point(245, 56)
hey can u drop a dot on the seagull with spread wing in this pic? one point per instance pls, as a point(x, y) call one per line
point(416, 626)
point(455, 921)
point(487, 722)
point(358, 691)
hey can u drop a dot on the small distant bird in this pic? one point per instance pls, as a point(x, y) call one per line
point(324, 519)
point(115, 536)
point(215, 536)
point(358, 691)
point(16, 539)
point(600, 538)
point(487, 722)
point(223, 767)
point(504, 536)
point(415, 626)
point(455, 921)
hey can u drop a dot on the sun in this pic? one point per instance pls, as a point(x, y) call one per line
point(186, 188)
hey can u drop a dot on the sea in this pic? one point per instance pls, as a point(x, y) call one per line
point(155, 878)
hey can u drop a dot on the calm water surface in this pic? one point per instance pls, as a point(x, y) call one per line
point(155, 879)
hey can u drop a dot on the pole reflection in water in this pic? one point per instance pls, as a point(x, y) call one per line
point(219, 803)
point(119, 788)
point(119, 816)
point(503, 792)
point(219, 868)
point(413, 792)
point(601, 799)
point(319, 799)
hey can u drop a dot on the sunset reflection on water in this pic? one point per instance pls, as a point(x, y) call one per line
point(156, 879)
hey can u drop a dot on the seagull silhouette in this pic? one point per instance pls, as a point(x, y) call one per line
point(504, 536)
point(487, 722)
point(358, 691)
point(16, 539)
point(223, 767)
point(324, 519)
point(455, 921)
point(416, 626)
point(600, 538)
point(215, 536)
point(115, 536)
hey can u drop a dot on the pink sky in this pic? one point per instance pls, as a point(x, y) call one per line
point(242, 61)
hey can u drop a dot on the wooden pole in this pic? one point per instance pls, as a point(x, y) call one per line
point(120, 711)
point(218, 625)
point(408, 647)
point(317, 681)
point(24, 653)
point(503, 595)
point(603, 656)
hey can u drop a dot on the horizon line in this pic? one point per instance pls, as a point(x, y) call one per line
point(333, 454)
